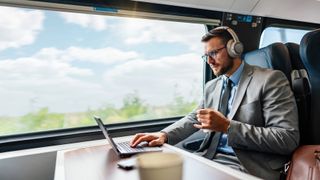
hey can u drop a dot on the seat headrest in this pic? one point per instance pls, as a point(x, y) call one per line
point(296, 61)
point(274, 56)
point(310, 50)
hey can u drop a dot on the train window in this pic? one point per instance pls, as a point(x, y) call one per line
point(276, 34)
point(57, 69)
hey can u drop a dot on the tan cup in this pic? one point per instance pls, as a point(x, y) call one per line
point(160, 166)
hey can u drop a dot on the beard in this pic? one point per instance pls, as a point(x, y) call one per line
point(224, 69)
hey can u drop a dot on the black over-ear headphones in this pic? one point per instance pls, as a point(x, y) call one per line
point(234, 46)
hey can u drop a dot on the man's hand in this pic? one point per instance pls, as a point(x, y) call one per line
point(213, 120)
point(153, 139)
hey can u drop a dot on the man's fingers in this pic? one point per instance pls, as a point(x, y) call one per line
point(139, 140)
point(199, 126)
point(203, 121)
point(135, 138)
point(155, 142)
point(202, 116)
point(202, 111)
point(143, 138)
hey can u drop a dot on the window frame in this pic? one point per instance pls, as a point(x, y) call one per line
point(80, 134)
point(281, 23)
point(87, 133)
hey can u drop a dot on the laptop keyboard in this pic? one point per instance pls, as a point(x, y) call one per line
point(126, 146)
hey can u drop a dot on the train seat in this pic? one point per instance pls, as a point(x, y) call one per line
point(310, 56)
point(301, 88)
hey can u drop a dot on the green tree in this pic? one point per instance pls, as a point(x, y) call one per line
point(133, 106)
point(181, 107)
point(42, 120)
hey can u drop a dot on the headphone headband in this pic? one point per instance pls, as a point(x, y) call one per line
point(231, 32)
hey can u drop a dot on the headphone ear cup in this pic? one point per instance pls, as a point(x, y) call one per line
point(234, 49)
point(238, 48)
point(230, 48)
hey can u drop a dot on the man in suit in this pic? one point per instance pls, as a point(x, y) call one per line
point(249, 112)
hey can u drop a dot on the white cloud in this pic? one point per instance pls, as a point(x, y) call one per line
point(156, 80)
point(96, 22)
point(48, 79)
point(38, 69)
point(19, 27)
point(137, 31)
point(29, 83)
point(64, 94)
point(106, 55)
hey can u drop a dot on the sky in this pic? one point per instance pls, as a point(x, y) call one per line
point(72, 62)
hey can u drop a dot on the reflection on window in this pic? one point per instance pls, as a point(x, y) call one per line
point(274, 34)
point(59, 69)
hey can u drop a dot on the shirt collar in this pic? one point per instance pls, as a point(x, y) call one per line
point(235, 77)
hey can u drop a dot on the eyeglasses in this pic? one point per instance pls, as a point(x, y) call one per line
point(212, 54)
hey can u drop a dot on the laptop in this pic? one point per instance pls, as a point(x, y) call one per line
point(123, 149)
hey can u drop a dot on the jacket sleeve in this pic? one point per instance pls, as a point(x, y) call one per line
point(280, 133)
point(184, 127)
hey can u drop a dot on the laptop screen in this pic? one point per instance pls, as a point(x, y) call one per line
point(105, 132)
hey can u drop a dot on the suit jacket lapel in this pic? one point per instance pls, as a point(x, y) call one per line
point(245, 78)
point(216, 94)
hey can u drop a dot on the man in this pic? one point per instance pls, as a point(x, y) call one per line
point(250, 112)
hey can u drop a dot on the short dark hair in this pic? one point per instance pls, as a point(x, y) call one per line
point(223, 34)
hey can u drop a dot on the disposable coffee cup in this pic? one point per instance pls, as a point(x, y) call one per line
point(160, 166)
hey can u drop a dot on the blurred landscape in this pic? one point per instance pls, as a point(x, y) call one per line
point(133, 109)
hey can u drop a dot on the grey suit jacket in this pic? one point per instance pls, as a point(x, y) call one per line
point(264, 121)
